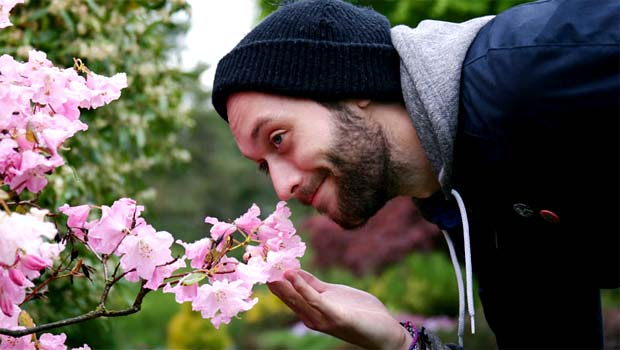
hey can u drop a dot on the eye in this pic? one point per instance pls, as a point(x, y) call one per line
point(277, 139)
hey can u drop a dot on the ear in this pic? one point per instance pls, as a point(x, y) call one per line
point(362, 103)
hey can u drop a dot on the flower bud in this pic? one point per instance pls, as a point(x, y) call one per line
point(17, 277)
point(6, 306)
point(33, 262)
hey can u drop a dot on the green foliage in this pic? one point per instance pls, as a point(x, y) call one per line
point(146, 329)
point(135, 134)
point(610, 298)
point(420, 283)
point(187, 331)
point(269, 309)
point(411, 12)
point(285, 339)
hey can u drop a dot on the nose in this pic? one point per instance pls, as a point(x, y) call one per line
point(286, 178)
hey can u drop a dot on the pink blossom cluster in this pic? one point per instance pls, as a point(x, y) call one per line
point(39, 110)
point(26, 247)
point(144, 252)
point(229, 290)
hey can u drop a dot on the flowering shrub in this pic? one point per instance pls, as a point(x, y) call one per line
point(39, 110)
point(142, 133)
point(393, 233)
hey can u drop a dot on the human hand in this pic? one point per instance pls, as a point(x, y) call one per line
point(350, 314)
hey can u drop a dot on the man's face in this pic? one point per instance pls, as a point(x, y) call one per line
point(332, 159)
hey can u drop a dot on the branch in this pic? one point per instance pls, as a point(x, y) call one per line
point(99, 312)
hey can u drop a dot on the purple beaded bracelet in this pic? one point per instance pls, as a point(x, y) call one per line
point(414, 334)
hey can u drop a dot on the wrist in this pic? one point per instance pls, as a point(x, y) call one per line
point(397, 339)
point(412, 336)
point(405, 340)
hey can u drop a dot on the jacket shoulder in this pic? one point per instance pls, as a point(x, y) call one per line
point(548, 23)
point(542, 59)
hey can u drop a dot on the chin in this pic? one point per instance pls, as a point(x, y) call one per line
point(349, 224)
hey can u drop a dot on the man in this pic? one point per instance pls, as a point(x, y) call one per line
point(518, 113)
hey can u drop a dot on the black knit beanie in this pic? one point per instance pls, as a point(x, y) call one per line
point(318, 49)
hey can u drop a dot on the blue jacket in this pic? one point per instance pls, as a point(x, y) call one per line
point(537, 158)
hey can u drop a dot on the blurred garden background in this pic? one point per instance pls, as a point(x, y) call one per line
point(164, 145)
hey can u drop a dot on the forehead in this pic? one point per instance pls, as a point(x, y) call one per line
point(246, 108)
point(251, 112)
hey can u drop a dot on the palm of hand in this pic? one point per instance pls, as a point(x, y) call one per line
point(344, 312)
point(344, 300)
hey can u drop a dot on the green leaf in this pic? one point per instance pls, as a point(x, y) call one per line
point(194, 278)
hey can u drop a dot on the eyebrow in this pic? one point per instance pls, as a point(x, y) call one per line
point(259, 125)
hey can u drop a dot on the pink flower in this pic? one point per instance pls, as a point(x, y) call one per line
point(116, 222)
point(77, 217)
point(33, 262)
point(5, 7)
point(10, 294)
point(277, 224)
point(279, 262)
point(105, 89)
point(24, 243)
point(52, 131)
point(49, 341)
point(197, 251)
point(223, 300)
point(162, 272)
point(10, 322)
point(229, 268)
point(293, 244)
point(83, 347)
point(38, 59)
point(132, 276)
point(21, 343)
point(17, 277)
point(181, 292)
point(249, 221)
point(254, 251)
point(220, 231)
point(279, 219)
point(145, 249)
point(8, 155)
point(31, 172)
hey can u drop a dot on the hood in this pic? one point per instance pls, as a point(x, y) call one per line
point(431, 57)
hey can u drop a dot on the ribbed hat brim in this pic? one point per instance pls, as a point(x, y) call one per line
point(310, 69)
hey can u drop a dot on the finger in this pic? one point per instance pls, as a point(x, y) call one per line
point(285, 292)
point(283, 289)
point(301, 285)
point(279, 287)
point(314, 282)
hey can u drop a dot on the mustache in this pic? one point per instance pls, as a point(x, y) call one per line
point(305, 193)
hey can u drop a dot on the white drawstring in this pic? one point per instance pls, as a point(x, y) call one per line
point(459, 283)
point(468, 271)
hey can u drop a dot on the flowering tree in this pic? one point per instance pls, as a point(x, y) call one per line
point(39, 110)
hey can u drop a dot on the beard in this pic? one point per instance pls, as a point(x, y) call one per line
point(365, 174)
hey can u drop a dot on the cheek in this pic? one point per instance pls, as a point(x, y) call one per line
point(311, 158)
point(311, 149)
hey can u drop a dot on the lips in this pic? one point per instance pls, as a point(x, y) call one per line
point(316, 191)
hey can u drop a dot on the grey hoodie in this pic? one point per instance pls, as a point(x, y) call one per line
point(430, 68)
point(431, 58)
